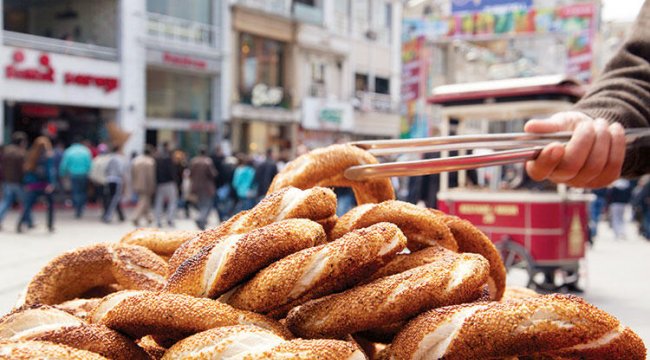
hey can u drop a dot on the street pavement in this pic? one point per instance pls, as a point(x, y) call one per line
point(615, 275)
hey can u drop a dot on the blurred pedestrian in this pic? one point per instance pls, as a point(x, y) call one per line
point(40, 181)
point(97, 174)
point(166, 187)
point(181, 176)
point(115, 181)
point(76, 163)
point(596, 210)
point(143, 179)
point(224, 198)
point(619, 196)
point(264, 174)
point(243, 181)
point(12, 173)
point(202, 176)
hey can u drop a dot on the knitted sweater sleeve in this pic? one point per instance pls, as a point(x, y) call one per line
point(622, 93)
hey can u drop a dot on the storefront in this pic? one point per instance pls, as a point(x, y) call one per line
point(181, 99)
point(263, 114)
point(58, 95)
point(325, 121)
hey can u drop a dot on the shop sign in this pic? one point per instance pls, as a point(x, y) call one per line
point(17, 70)
point(460, 6)
point(184, 61)
point(108, 84)
point(264, 95)
point(324, 114)
point(202, 126)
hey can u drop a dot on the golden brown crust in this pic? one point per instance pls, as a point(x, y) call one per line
point(621, 343)
point(75, 272)
point(290, 203)
point(29, 350)
point(173, 316)
point(325, 167)
point(514, 328)
point(47, 323)
point(219, 267)
point(151, 347)
point(162, 242)
point(391, 299)
point(472, 240)
point(518, 292)
point(319, 271)
point(250, 342)
point(421, 227)
point(403, 262)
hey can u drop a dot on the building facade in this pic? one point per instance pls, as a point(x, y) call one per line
point(155, 66)
point(313, 72)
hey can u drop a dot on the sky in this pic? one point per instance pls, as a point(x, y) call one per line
point(613, 9)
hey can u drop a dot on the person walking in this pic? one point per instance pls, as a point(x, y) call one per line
point(40, 181)
point(76, 163)
point(243, 181)
point(98, 174)
point(166, 190)
point(143, 180)
point(619, 195)
point(264, 174)
point(12, 174)
point(115, 181)
point(202, 179)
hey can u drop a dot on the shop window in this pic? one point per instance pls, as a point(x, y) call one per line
point(261, 71)
point(382, 85)
point(193, 10)
point(360, 82)
point(178, 96)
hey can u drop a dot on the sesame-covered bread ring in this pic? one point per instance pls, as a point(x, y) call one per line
point(325, 167)
point(518, 292)
point(30, 350)
point(73, 273)
point(79, 307)
point(391, 299)
point(317, 204)
point(319, 271)
point(219, 267)
point(421, 227)
point(162, 242)
point(47, 323)
point(251, 342)
point(552, 323)
point(472, 240)
point(172, 316)
point(403, 262)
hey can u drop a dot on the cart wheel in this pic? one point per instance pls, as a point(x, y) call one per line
point(516, 259)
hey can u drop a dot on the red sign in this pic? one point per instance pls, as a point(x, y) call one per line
point(107, 83)
point(184, 61)
point(43, 72)
point(203, 126)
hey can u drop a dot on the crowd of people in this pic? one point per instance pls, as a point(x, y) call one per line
point(158, 182)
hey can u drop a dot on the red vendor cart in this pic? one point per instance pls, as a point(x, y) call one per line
point(541, 231)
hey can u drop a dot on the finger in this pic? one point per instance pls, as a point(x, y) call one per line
point(597, 158)
point(575, 153)
point(612, 169)
point(554, 124)
point(540, 168)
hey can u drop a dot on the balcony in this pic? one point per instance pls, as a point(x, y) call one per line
point(164, 29)
point(367, 102)
point(11, 38)
point(277, 7)
point(308, 14)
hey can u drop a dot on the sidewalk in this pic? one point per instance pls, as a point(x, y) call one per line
point(615, 276)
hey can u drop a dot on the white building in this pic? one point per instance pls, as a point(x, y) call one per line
point(153, 66)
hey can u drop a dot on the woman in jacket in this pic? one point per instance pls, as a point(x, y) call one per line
point(40, 181)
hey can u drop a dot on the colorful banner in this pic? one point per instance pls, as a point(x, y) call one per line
point(577, 22)
point(413, 75)
point(458, 6)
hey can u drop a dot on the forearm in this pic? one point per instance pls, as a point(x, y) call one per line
point(622, 93)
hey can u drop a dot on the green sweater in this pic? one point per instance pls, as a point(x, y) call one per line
point(622, 93)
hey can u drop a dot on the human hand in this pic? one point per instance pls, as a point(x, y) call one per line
point(593, 158)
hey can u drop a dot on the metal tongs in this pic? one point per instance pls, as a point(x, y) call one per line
point(513, 148)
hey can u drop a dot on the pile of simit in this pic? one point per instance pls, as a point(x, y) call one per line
point(289, 280)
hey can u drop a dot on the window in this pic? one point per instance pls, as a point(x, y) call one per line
point(360, 82)
point(178, 96)
point(305, 2)
point(193, 10)
point(261, 62)
point(382, 85)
